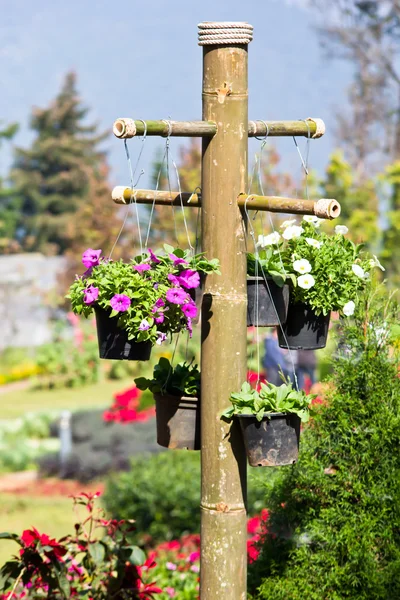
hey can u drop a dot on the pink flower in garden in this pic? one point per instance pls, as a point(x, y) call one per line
point(195, 568)
point(120, 302)
point(144, 325)
point(91, 258)
point(159, 318)
point(170, 566)
point(177, 261)
point(142, 267)
point(90, 294)
point(161, 338)
point(153, 257)
point(189, 279)
point(194, 556)
point(176, 296)
point(173, 279)
point(170, 591)
point(190, 310)
point(189, 326)
point(160, 302)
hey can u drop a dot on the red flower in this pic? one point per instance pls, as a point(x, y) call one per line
point(31, 538)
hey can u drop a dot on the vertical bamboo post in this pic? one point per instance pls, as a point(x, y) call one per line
point(223, 355)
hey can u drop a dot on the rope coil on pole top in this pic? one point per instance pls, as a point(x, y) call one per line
point(225, 32)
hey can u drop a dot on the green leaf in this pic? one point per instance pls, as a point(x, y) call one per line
point(97, 552)
point(137, 556)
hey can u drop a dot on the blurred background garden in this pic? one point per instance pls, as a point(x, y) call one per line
point(70, 422)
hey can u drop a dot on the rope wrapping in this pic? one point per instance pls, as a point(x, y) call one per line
point(228, 32)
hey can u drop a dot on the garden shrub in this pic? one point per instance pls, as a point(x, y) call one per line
point(334, 526)
point(162, 494)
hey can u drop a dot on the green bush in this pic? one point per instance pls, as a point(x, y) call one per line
point(162, 494)
point(334, 529)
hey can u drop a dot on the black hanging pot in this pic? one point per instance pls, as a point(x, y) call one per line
point(178, 421)
point(272, 442)
point(303, 329)
point(113, 341)
point(273, 302)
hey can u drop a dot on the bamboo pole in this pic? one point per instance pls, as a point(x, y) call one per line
point(128, 128)
point(224, 331)
point(325, 208)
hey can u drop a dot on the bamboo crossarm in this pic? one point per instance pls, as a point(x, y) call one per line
point(324, 208)
point(125, 128)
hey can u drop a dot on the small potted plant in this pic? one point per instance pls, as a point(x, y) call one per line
point(327, 273)
point(139, 303)
point(176, 391)
point(267, 284)
point(270, 422)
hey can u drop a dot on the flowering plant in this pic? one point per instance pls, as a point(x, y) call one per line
point(328, 272)
point(184, 379)
point(150, 295)
point(269, 399)
point(268, 261)
point(97, 562)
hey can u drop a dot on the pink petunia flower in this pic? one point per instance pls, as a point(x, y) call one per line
point(190, 310)
point(189, 326)
point(189, 279)
point(144, 325)
point(161, 338)
point(142, 267)
point(176, 296)
point(159, 303)
point(91, 258)
point(159, 318)
point(173, 279)
point(153, 257)
point(90, 294)
point(120, 302)
point(177, 261)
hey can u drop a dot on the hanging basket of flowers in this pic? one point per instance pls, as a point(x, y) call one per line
point(139, 303)
point(327, 273)
point(270, 422)
point(176, 391)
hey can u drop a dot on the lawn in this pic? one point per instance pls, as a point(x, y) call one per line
point(16, 403)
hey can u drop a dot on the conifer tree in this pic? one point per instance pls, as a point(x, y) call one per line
point(8, 201)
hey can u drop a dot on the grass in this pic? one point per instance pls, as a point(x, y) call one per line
point(16, 403)
point(52, 515)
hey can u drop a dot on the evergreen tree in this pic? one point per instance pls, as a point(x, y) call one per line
point(52, 177)
point(8, 202)
point(334, 527)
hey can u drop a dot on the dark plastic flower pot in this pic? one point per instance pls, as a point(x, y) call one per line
point(273, 302)
point(272, 442)
point(178, 421)
point(113, 341)
point(303, 329)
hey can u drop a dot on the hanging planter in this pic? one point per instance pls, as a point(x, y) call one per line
point(178, 421)
point(267, 302)
point(273, 441)
point(113, 341)
point(176, 391)
point(137, 304)
point(303, 329)
point(270, 422)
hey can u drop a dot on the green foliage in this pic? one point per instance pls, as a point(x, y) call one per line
point(270, 399)
point(335, 520)
point(184, 379)
point(162, 494)
point(267, 262)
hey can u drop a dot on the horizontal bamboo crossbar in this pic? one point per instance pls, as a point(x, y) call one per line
point(324, 208)
point(127, 128)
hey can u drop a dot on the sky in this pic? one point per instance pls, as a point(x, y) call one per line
point(141, 60)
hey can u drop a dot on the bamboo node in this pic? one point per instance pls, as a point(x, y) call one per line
point(327, 208)
point(118, 194)
point(320, 127)
point(124, 128)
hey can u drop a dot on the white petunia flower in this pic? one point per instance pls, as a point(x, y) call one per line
point(305, 281)
point(359, 271)
point(293, 231)
point(313, 220)
point(314, 243)
point(374, 262)
point(348, 308)
point(268, 240)
point(341, 229)
point(302, 266)
point(288, 223)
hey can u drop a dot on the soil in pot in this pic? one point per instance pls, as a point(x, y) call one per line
point(272, 442)
point(178, 421)
point(303, 329)
point(113, 341)
point(273, 302)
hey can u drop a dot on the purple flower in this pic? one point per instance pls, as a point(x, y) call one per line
point(160, 302)
point(142, 267)
point(90, 294)
point(91, 258)
point(190, 310)
point(159, 318)
point(189, 326)
point(161, 338)
point(153, 257)
point(189, 279)
point(173, 279)
point(176, 296)
point(120, 302)
point(155, 286)
point(177, 261)
point(144, 325)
